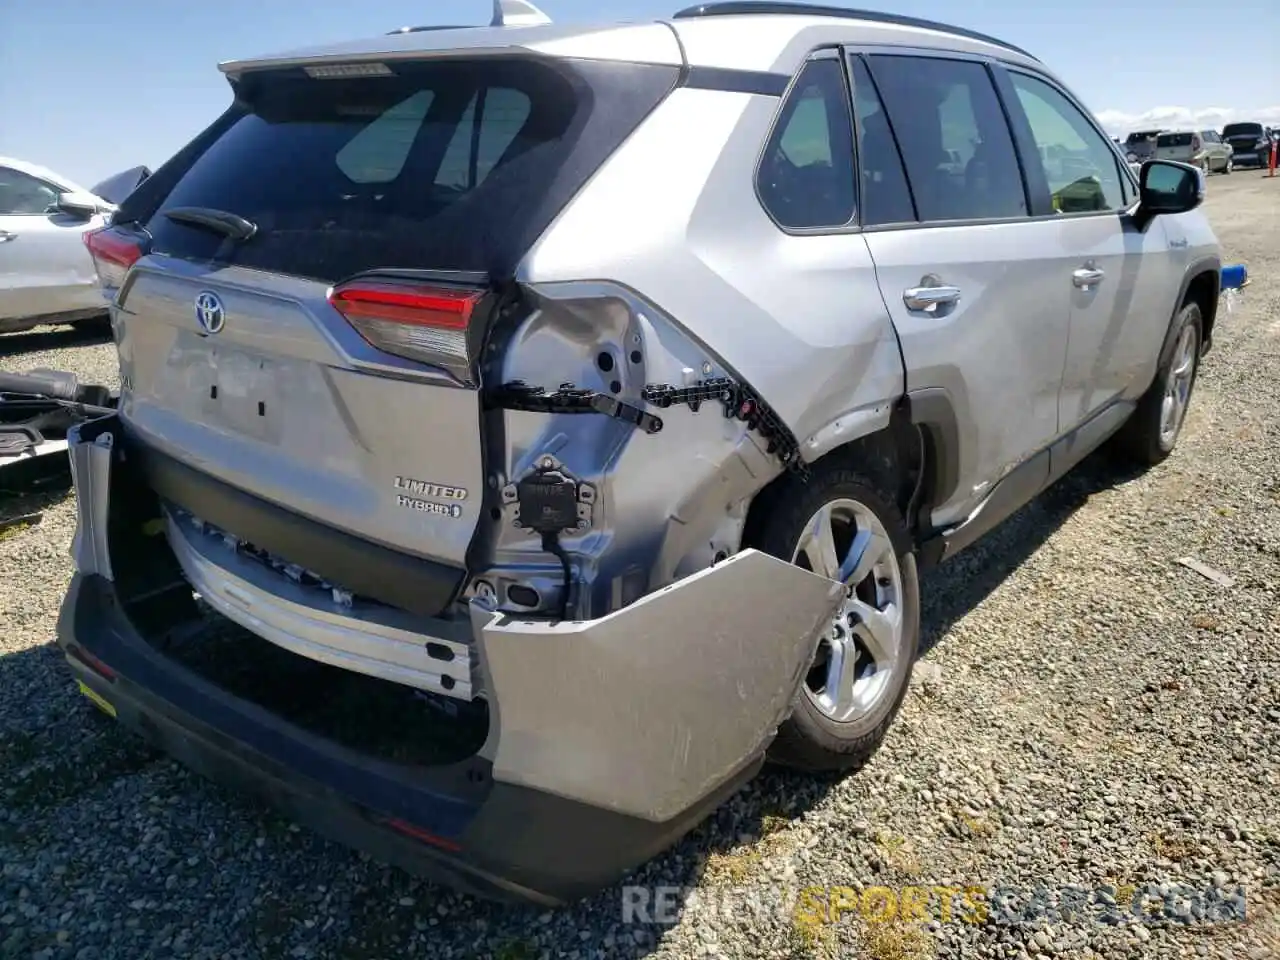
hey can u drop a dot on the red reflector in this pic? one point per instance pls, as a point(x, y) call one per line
point(418, 833)
point(447, 309)
point(92, 662)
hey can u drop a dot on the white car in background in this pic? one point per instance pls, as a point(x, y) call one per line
point(46, 273)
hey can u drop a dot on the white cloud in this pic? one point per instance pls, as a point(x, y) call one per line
point(1118, 123)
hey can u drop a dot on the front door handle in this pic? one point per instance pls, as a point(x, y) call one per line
point(1087, 277)
point(929, 299)
point(6, 236)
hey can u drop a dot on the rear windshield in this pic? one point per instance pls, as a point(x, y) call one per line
point(453, 165)
point(1174, 140)
point(1235, 129)
point(1141, 137)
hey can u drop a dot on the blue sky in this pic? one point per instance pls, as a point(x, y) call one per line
point(92, 88)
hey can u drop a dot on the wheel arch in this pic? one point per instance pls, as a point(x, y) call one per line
point(913, 459)
point(1202, 284)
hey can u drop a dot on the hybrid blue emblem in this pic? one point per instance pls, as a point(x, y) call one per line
point(209, 312)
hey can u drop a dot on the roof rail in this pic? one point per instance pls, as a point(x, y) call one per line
point(452, 26)
point(731, 8)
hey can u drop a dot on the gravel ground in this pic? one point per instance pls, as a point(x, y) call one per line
point(1092, 720)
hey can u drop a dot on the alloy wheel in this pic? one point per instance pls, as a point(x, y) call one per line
point(853, 669)
point(1177, 391)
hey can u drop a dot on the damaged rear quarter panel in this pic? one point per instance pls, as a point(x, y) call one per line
point(698, 282)
point(674, 216)
point(668, 503)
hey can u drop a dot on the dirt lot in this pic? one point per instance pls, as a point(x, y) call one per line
point(1092, 720)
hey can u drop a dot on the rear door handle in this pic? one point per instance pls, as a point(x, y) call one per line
point(6, 236)
point(929, 299)
point(1087, 277)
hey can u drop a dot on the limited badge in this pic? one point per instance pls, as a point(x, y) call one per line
point(429, 490)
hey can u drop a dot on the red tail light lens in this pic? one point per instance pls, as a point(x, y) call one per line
point(113, 254)
point(429, 324)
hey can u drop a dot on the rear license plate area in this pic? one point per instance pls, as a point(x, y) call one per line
point(240, 392)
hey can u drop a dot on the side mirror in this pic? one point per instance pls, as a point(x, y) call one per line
point(1166, 186)
point(84, 205)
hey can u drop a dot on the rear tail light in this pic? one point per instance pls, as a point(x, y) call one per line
point(1195, 143)
point(425, 323)
point(113, 254)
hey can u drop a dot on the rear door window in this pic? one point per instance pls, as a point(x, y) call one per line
point(954, 138)
point(446, 165)
point(492, 121)
point(886, 198)
point(378, 153)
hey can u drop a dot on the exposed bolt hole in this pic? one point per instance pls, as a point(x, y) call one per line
point(213, 393)
point(262, 409)
point(495, 513)
point(525, 596)
point(438, 651)
point(636, 356)
point(475, 776)
point(605, 361)
point(721, 556)
point(615, 387)
point(884, 582)
point(447, 682)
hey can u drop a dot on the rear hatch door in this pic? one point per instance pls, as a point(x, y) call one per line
point(1175, 146)
point(304, 323)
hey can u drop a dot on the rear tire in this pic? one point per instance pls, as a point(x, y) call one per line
point(1151, 433)
point(862, 668)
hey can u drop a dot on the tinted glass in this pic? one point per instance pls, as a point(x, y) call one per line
point(453, 165)
point(954, 138)
point(884, 192)
point(1236, 129)
point(806, 173)
point(1079, 164)
point(1173, 140)
point(24, 195)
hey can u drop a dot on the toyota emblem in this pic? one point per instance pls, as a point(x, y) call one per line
point(209, 312)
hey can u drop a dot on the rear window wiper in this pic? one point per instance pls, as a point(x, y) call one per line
point(218, 221)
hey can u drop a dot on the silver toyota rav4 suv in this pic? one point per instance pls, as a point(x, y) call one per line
point(587, 399)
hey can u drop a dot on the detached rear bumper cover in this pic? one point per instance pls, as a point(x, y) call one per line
point(649, 709)
point(629, 728)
